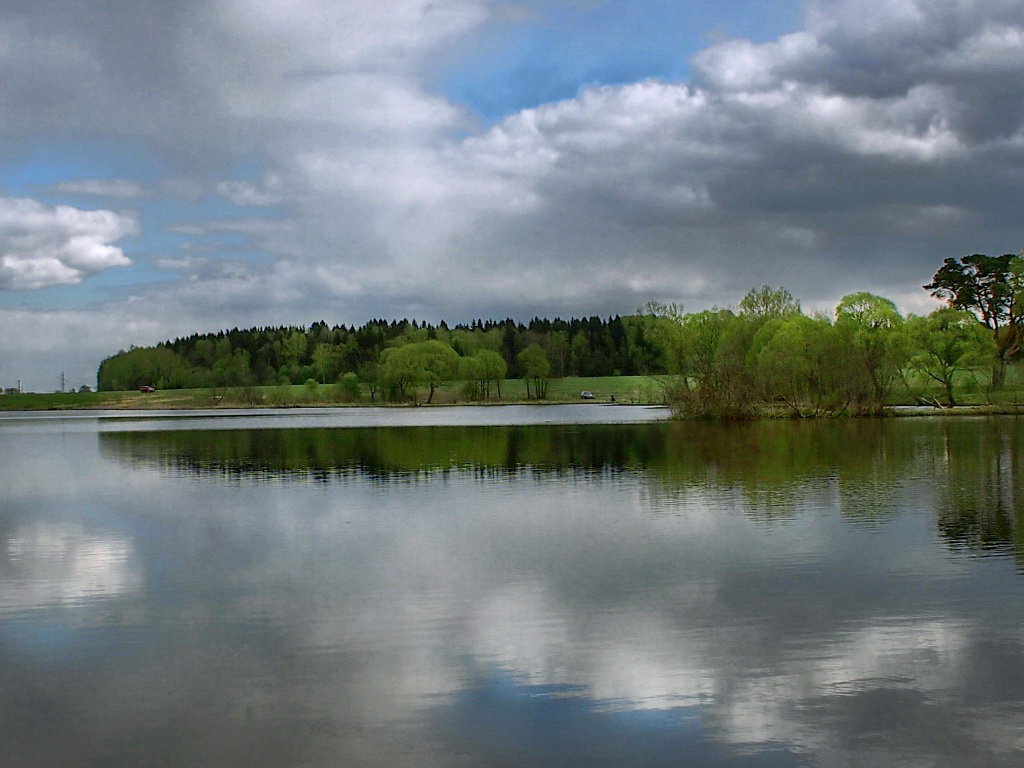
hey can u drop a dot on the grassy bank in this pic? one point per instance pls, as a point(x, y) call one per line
point(624, 389)
point(972, 393)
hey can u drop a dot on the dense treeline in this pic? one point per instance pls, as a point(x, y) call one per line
point(766, 355)
point(373, 354)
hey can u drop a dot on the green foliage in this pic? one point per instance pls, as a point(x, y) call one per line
point(400, 372)
point(158, 366)
point(536, 368)
point(872, 330)
point(979, 284)
point(949, 342)
point(767, 303)
point(765, 356)
point(770, 355)
point(710, 356)
point(796, 360)
point(440, 363)
point(490, 369)
point(267, 356)
point(349, 390)
point(312, 390)
point(471, 374)
point(294, 347)
point(326, 359)
point(430, 363)
point(991, 288)
point(234, 370)
point(281, 395)
point(246, 394)
point(369, 374)
point(663, 324)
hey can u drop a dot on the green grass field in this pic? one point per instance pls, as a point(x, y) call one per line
point(971, 390)
point(626, 389)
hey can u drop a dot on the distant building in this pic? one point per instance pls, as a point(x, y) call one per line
point(11, 391)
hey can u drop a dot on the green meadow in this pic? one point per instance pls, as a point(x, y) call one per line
point(624, 389)
point(973, 390)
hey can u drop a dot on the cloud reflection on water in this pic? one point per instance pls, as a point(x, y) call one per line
point(48, 565)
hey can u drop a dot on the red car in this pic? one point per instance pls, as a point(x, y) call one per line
point(147, 388)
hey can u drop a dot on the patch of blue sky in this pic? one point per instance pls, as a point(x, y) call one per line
point(247, 168)
point(138, 273)
point(123, 281)
point(31, 168)
point(541, 51)
point(92, 291)
point(164, 222)
point(62, 296)
point(168, 220)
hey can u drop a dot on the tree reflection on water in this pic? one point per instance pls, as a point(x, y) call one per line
point(775, 466)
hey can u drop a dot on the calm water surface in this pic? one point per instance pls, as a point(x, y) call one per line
point(339, 591)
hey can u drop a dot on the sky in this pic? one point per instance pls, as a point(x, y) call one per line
point(170, 168)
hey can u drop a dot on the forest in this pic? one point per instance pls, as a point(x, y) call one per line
point(765, 353)
point(389, 352)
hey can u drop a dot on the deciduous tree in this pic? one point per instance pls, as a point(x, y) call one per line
point(492, 370)
point(534, 362)
point(767, 302)
point(873, 330)
point(948, 343)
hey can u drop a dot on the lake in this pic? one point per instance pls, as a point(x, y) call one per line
point(514, 586)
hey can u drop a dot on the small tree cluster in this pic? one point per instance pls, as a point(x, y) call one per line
point(769, 354)
point(991, 288)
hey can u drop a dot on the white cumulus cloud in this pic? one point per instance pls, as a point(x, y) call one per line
point(42, 245)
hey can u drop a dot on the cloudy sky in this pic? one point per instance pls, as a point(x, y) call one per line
point(175, 167)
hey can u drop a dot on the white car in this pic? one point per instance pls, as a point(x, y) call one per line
point(586, 394)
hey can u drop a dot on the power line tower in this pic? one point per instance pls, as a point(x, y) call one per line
point(63, 381)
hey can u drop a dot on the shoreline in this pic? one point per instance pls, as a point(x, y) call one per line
point(226, 409)
point(183, 406)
